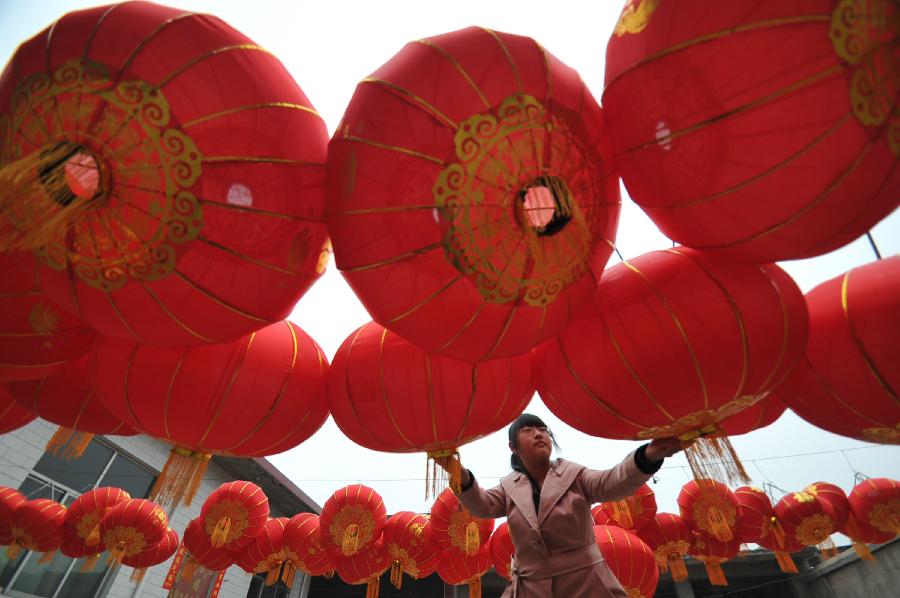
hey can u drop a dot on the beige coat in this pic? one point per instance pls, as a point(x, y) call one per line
point(556, 555)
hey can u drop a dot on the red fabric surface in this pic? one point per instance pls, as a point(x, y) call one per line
point(364, 566)
point(10, 500)
point(38, 525)
point(83, 516)
point(197, 543)
point(449, 522)
point(755, 514)
point(457, 568)
point(642, 508)
point(501, 550)
point(875, 503)
point(12, 415)
point(265, 551)
point(805, 518)
point(244, 503)
point(696, 502)
point(304, 543)
point(629, 558)
point(156, 554)
point(120, 523)
point(352, 505)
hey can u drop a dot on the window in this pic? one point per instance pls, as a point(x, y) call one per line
point(259, 589)
point(64, 481)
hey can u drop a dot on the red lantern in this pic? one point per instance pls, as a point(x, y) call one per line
point(81, 524)
point(629, 559)
point(711, 508)
point(172, 192)
point(37, 525)
point(759, 415)
point(260, 395)
point(809, 520)
point(758, 161)
point(458, 569)
point(429, 402)
point(673, 344)
point(632, 513)
point(365, 567)
point(12, 415)
point(10, 500)
point(352, 520)
point(471, 200)
point(265, 553)
point(234, 514)
point(201, 551)
point(712, 553)
point(36, 337)
point(406, 536)
point(455, 529)
point(154, 555)
point(876, 503)
point(845, 383)
point(305, 547)
point(755, 514)
point(835, 497)
point(670, 539)
point(67, 399)
point(502, 550)
point(782, 545)
point(131, 527)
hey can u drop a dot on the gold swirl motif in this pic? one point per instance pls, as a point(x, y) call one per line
point(673, 549)
point(814, 529)
point(85, 527)
point(145, 208)
point(353, 514)
point(701, 423)
point(635, 16)
point(492, 150)
point(44, 318)
point(885, 516)
point(407, 563)
point(883, 435)
point(233, 509)
point(129, 538)
point(864, 34)
point(804, 496)
point(706, 502)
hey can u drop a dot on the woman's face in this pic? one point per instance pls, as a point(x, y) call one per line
point(533, 443)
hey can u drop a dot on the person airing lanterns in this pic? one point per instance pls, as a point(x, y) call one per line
point(547, 505)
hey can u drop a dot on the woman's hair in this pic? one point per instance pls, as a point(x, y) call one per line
point(526, 420)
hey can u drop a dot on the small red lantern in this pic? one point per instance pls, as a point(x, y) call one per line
point(82, 523)
point(809, 520)
point(352, 520)
point(711, 508)
point(365, 567)
point(670, 539)
point(36, 336)
point(10, 500)
point(712, 553)
point(12, 415)
point(234, 514)
point(673, 344)
point(260, 395)
point(755, 514)
point(846, 381)
point(405, 537)
point(502, 550)
point(428, 402)
point(305, 547)
point(265, 553)
point(132, 526)
point(758, 161)
point(471, 200)
point(201, 552)
point(172, 192)
point(876, 502)
point(154, 555)
point(455, 529)
point(632, 513)
point(629, 559)
point(835, 497)
point(67, 399)
point(458, 569)
point(37, 525)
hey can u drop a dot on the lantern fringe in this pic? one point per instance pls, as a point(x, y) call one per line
point(180, 477)
point(437, 478)
point(475, 588)
point(94, 537)
point(785, 562)
point(861, 548)
point(116, 554)
point(715, 573)
point(663, 564)
point(719, 525)
point(90, 562)
point(272, 576)
point(13, 551)
point(827, 549)
point(350, 540)
point(678, 568)
point(69, 444)
point(714, 458)
point(373, 588)
point(137, 575)
point(220, 532)
point(473, 538)
point(46, 557)
point(37, 205)
point(396, 574)
point(621, 512)
point(288, 573)
point(329, 574)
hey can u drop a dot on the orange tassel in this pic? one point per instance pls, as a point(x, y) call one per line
point(715, 573)
point(13, 551)
point(678, 568)
point(435, 475)
point(719, 525)
point(272, 576)
point(68, 444)
point(137, 575)
point(180, 477)
point(785, 562)
point(117, 554)
point(473, 539)
point(475, 588)
point(861, 548)
point(220, 532)
point(287, 574)
point(90, 562)
point(350, 541)
point(396, 574)
point(329, 574)
point(373, 588)
point(46, 557)
point(828, 549)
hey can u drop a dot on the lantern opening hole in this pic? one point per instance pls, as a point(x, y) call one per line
point(545, 205)
point(71, 173)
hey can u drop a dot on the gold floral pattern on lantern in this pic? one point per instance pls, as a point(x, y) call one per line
point(712, 507)
point(635, 16)
point(349, 515)
point(883, 435)
point(128, 540)
point(814, 529)
point(885, 516)
point(233, 510)
point(701, 423)
point(87, 527)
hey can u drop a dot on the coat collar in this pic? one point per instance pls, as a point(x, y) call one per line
point(517, 486)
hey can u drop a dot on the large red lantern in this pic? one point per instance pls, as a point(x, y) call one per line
point(835, 497)
point(674, 344)
point(265, 552)
point(471, 200)
point(712, 552)
point(12, 415)
point(407, 538)
point(501, 550)
point(711, 508)
point(352, 519)
point(759, 161)
point(172, 192)
point(630, 560)
point(234, 514)
point(428, 402)
point(36, 337)
point(458, 569)
point(37, 525)
point(670, 539)
point(131, 527)
point(154, 555)
point(10, 500)
point(67, 398)
point(305, 547)
point(365, 567)
point(260, 395)
point(759, 415)
point(81, 523)
point(633, 513)
point(455, 529)
point(755, 514)
point(876, 502)
point(846, 383)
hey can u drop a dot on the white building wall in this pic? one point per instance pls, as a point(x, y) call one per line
point(20, 451)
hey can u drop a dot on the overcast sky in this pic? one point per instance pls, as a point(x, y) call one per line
point(328, 46)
